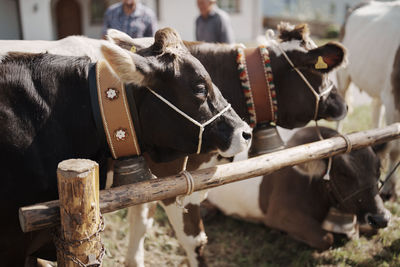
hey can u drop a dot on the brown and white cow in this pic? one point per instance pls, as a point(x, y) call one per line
point(372, 36)
point(47, 115)
point(296, 105)
point(297, 199)
point(290, 89)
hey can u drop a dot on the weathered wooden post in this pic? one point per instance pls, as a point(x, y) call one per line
point(79, 242)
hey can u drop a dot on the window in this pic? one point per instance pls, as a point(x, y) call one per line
point(97, 9)
point(230, 6)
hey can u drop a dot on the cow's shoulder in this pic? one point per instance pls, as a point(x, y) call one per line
point(29, 90)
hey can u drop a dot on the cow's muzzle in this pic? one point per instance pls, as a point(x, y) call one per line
point(378, 220)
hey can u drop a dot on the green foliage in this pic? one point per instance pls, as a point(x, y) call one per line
point(332, 31)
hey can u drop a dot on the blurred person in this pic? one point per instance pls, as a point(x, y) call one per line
point(213, 25)
point(131, 17)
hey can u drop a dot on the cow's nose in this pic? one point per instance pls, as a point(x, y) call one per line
point(377, 220)
point(246, 135)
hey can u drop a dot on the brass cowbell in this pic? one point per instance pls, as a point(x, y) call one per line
point(265, 139)
point(130, 170)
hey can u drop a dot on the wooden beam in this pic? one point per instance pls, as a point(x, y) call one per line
point(44, 215)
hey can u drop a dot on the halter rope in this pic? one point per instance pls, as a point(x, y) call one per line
point(186, 174)
point(317, 96)
point(201, 125)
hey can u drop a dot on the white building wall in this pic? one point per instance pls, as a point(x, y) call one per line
point(88, 29)
point(309, 9)
point(181, 15)
point(177, 14)
point(9, 25)
point(247, 25)
point(39, 23)
point(36, 19)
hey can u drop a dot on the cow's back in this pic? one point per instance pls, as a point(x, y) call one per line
point(372, 37)
point(69, 46)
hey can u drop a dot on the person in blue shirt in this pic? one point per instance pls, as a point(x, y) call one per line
point(131, 17)
point(213, 25)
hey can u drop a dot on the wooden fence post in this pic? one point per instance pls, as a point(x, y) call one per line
point(79, 243)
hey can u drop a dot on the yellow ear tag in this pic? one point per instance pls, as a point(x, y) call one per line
point(133, 49)
point(320, 64)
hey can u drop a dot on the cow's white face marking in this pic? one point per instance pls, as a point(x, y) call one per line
point(238, 143)
point(286, 46)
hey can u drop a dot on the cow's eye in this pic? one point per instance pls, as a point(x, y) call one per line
point(201, 92)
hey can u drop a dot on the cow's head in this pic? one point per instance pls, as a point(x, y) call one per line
point(353, 178)
point(315, 63)
point(172, 72)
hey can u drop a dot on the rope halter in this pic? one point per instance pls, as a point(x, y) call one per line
point(188, 177)
point(317, 95)
point(201, 125)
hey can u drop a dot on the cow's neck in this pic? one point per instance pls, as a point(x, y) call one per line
point(111, 111)
point(255, 72)
point(322, 196)
point(220, 63)
point(244, 77)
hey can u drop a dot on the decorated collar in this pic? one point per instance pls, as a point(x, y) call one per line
point(257, 83)
point(114, 112)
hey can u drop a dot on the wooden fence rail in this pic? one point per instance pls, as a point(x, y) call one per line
point(45, 215)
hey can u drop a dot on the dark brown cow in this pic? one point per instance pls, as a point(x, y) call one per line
point(296, 107)
point(297, 199)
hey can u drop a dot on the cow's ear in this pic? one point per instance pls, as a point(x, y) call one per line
point(129, 67)
point(314, 168)
point(126, 42)
point(288, 32)
point(120, 38)
point(324, 58)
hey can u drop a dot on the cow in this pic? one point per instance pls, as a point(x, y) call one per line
point(297, 199)
point(289, 87)
point(371, 34)
point(46, 116)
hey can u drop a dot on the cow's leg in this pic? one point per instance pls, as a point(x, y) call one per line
point(311, 233)
point(343, 81)
point(378, 112)
point(188, 227)
point(301, 227)
point(389, 189)
point(140, 218)
point(392, 116)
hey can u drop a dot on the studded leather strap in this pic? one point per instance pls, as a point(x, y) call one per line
point(114, 109)
point(259, 85)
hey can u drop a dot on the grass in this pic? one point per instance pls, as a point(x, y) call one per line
point(233, 242)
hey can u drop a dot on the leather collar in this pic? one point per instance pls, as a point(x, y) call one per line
point(113, 111)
